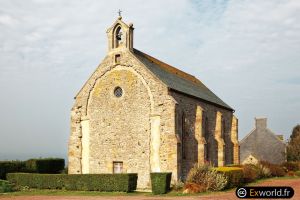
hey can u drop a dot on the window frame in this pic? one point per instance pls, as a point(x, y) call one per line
point(118, 164)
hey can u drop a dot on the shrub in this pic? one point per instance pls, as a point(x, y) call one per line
point(193, 188)
point(221, 180)
point(160, 182)
point(291, 173)
point(198, 173)
point(250, 173)
point(207, 177)
point(177, 186)
point(293, 150)
point(291, 166)
point(5, 186)
point(233, 174)
point(263, 171)
point(297, 173)
point(86, 182)
point(275, 170)
point(45, 165)
point(11, 166)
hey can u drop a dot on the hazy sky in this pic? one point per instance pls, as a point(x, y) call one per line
point(247, 52)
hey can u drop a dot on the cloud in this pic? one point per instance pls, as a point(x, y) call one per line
point(7, 20)
point(245, 51)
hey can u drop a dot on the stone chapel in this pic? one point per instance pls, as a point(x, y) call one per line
point(137, 114)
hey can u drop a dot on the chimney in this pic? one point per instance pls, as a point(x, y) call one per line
point(261, 122)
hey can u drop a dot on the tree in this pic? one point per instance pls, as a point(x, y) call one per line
point(296, 131)
point(293, 147)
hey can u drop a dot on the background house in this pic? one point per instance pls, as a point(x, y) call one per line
point(262, 144)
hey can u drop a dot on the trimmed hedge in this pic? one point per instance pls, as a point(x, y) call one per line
point(11, 166)
point(45, 165)
point(84, 182)
point(234, 175)
point(235, 165)
point(160, 182)
point(5, 186)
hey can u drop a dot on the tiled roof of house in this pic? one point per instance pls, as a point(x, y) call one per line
point(179, 81)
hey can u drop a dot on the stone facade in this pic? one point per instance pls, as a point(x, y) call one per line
point(126, 113)
point(262, 144)
point(206, 134)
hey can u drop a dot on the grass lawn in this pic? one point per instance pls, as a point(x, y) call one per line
point(34, 192)
point(37, 192)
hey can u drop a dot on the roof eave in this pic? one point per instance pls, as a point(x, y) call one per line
point(206, 101)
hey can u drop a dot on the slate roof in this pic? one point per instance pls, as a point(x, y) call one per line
point(180, 81)
point(263, 144)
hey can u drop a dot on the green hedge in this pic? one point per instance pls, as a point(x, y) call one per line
point(234, 175)
point(45, 165)
point(11, 166)
point(84, 182)
point(5, 186)
point(160, 182)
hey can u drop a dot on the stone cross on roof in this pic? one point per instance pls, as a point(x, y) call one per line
point(120, 11)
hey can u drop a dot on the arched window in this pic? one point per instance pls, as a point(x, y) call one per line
point(206, 129)
point(118, 36)
point(183, 136)
point(206, 135)
point(223, 129)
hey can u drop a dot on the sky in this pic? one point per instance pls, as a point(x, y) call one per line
point(247, 52)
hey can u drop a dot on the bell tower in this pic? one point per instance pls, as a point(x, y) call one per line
point(120, 36)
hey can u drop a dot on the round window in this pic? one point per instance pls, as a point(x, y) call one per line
point(118, 92)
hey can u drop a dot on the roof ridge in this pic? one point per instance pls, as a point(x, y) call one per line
point(170, 68)
point(179, 81)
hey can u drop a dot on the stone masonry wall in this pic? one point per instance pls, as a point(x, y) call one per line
point(187, 106)
point(120, 128)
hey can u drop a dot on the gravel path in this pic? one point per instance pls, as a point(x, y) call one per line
point(294, 183)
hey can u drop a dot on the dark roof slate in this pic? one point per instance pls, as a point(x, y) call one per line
point(178, 80)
